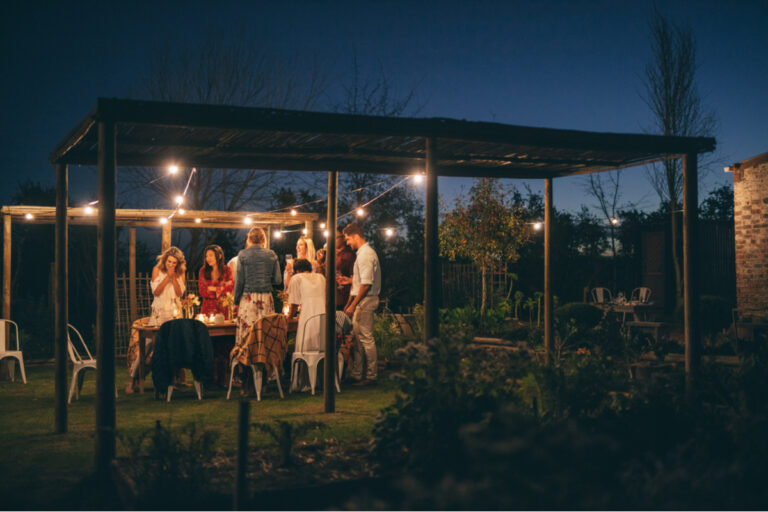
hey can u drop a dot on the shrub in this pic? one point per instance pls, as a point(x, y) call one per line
point(585, 316)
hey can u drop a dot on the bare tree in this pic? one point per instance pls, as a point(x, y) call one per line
point(224, 69)
point(606, 189)
point(673, 96)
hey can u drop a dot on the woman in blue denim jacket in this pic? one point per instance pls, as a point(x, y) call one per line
point(258, 270)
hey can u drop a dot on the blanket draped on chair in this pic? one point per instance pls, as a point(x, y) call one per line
point(266, 343)
point(182, 343)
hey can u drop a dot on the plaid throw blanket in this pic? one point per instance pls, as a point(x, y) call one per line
point(266, 343)
point(133, 344)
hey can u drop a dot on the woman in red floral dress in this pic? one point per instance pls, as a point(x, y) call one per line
point(215, 281)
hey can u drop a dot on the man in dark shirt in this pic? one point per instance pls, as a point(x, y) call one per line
point(345, 264)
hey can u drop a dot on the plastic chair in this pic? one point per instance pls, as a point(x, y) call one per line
point(5, 327)
point(641, 294)
point(601, 295)
point(275, 331)
point(313, 358)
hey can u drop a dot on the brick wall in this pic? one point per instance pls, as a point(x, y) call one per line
point(750, 194)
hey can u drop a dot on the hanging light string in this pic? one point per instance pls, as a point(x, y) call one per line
point(184, 194)
point(377, 197)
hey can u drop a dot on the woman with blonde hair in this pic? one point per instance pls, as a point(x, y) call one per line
point(305, 250)
point(167, 287)
point(258, 270)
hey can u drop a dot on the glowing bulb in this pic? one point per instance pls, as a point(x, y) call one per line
point(418, 178)
point(198, 220)
point(325, 233)
point(614, 221)
point(29, 216)
point(389, 232)
point(360, 212)
point(163, 220)
point(182, 211)
point(247, 220)
point(537, 226)
point(278, 234)
point(286, 310)
point(322, 225)
point(293, 212)
point(88, 210)
point(173, 169)
point(304, 231)
point(179, 199)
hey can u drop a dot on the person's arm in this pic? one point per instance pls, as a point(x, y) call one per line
point(227, 282)
point(157, 290)
point(355, 300)
point(276, 277)
point(204, 286)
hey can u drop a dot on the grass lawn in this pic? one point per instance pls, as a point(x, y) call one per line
point(37, 465)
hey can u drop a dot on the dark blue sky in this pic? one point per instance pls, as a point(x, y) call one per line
point(560, 64)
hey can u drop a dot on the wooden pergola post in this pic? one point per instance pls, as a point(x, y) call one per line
point(309, 226)
point(548, 320)
point(166, 236)
point(61, 308)
point(132, 274)
point(432, 268)
point(330, 367)
point(690, 272)
point(105, 299)
point(6, 267)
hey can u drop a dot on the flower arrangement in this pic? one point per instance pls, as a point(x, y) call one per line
point(188, 304)
point(228, 301)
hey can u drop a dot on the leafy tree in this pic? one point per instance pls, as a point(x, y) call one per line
point(487, 228)
point(672, 94)
point(718, 205)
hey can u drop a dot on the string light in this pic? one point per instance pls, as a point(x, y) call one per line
point(322, 225)
point(537, 226)
point(173, 169)
point(389, 232)
point(293, 212)
point(198, 220)
point(304, 231)
point(247, 220)
point(29, 216)
point(614, 221)
point(278, 234)
point(360, 212)
point(418, 178)
point(179, 200)
point(182, 211)
point(88, 210)
point(325, 233)
point(163, 220)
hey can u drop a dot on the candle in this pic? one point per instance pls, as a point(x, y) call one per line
point(286, 310)
point(201, 317)
point(211, 318)
point(175, 313)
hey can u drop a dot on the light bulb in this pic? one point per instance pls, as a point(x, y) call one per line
point(537, 226)
point(418, 178)
point(247, 220)
point(88, 210)
point(182, 211)
point(163, 220)
point(29, 216)
point(179, 199)
point(360, 212)
point(198, 220)
point(293, 212)
point(278, 234)
point(173, 169)
point(389, 232)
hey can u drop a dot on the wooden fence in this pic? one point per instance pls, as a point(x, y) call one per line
point(462, 285)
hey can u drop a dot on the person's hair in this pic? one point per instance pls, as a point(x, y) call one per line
point(353, 228)
point(256, 236)
point(301, 265)
point(310, 247)
point(207, 269)
point(171, 251)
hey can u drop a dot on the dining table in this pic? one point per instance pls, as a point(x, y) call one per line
point(640, 311)
point(215, 329)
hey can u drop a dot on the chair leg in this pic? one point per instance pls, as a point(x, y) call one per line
point(73, 386)
point(231, 377)
point(257, 381)
point(279, 386)
point(199, 389)
point(292, 386)
point(11, 368)
point(338, 375)
point(21, 366)
point(80, 380)
point(313, 375)
point(170, 392)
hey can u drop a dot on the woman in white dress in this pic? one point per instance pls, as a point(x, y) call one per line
point(307, 289)
point(167, 286)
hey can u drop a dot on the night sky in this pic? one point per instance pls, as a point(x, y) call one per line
point(558, 64)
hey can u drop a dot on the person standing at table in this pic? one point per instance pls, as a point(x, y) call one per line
point(362, 303)
point(258, 270)
point(305, 250)
point(167, 287)
point(214, 281)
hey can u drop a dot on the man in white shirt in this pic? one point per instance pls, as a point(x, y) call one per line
point(363, 301)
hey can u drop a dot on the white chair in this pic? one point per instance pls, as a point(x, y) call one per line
point(641, 295)
point(5, 327)
point(198, 389)
point(257, 371)
point(81, 360)
point(601, 295)
point(313, 358)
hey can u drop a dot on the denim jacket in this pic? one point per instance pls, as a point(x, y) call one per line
point(257, 270)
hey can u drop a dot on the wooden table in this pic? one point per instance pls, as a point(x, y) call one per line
point(226, 328)
point(639, 310)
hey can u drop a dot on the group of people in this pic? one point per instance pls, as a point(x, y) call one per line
point(253, 273)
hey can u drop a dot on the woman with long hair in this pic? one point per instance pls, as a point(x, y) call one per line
point(305, 250)
point(214, 281)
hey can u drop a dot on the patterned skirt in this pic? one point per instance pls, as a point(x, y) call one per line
point(252, 307)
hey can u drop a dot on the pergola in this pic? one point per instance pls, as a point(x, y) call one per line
point(142, 133)
point(133, 218)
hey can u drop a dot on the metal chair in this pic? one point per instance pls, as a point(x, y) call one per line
point(312, 358)
point(601, 295)
point(81, 360)
point(271, 328)
point(641, 294)
point(4, 353)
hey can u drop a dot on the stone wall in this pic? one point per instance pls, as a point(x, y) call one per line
point(750, 216)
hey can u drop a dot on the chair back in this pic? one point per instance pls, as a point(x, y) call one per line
point(641, 294)
point(315, 323)
point(601, 295)
point(77, 349)
point(5, 335)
